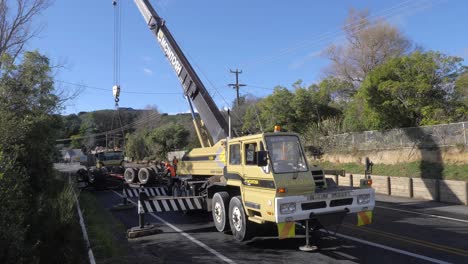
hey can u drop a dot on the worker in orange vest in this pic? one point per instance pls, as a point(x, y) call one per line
point(169, 169)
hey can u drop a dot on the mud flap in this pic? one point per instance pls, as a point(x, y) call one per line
point(364, 218)
point(286, 230)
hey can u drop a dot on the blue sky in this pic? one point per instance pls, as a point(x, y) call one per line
point(273, 42)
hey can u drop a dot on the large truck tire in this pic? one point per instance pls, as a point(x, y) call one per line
point(145, 175)
point(220, 206)
point(130, 175)
point(242, 229)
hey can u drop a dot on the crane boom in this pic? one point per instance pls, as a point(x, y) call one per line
point(191, 83)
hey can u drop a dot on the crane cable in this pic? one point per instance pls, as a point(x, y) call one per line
point(116, 69)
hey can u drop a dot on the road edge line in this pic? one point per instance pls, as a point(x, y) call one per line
point(92, 260)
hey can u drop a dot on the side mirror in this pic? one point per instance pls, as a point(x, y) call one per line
point(262, 158)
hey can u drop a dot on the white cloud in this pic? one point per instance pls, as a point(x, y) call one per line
point(147, 71)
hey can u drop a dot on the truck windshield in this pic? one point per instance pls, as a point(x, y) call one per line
point(285, 154)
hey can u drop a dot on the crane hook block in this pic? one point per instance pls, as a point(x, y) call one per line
point(116, 91)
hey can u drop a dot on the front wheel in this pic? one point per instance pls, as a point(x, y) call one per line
point(242, 228)
point(220, 204)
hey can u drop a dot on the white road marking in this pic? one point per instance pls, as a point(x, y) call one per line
point(404, 252)
point(430, 215)
point(194, 240)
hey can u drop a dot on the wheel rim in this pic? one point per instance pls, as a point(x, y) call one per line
point(144, 177)
point(217, 212)
point(237, 218)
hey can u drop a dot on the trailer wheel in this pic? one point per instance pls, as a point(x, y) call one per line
point(220, 205)
point(130, 175)
point(144, 175)
point(242, 228)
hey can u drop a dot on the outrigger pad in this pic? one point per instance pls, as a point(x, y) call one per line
point(137, 231)
point(122, 206)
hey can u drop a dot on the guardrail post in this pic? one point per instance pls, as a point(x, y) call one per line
point(336, 179)
point(351, 180)
point(410, 187)
point(464, 132)
point(389, 186)
point(437, 191)
point(466, 193)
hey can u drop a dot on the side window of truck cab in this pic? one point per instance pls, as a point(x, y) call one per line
point(249, 153)
point(234, 154)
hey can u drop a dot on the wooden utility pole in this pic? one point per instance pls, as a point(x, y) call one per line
point(237, 85)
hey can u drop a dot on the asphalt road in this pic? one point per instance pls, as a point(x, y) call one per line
point(403, 231)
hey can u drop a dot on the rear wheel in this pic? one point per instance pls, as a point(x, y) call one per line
point(130, 175)
point(144, 175)
point(220, 204)
point(242, 229)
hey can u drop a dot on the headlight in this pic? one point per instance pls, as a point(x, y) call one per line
point(288, 208)
point(363, 198)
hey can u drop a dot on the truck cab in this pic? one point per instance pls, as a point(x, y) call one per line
point(285, 188)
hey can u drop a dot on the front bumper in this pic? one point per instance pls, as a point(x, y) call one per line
point(325, 202)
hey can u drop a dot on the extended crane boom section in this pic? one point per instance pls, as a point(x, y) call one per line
point(191, 83)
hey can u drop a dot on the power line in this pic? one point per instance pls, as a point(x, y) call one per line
point(107, 90)
point(386, 13)
point(260, 87)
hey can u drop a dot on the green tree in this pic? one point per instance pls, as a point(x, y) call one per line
point(136, 146)
point(409, 91)
point(32, 217)
point(461, 87)
point(273, 110)
point(168, 138)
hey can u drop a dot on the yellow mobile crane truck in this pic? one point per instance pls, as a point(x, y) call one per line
point(255, 179)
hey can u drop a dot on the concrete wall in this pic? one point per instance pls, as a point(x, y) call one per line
point(425, 189)
point(453, 191)
point(428, 189)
